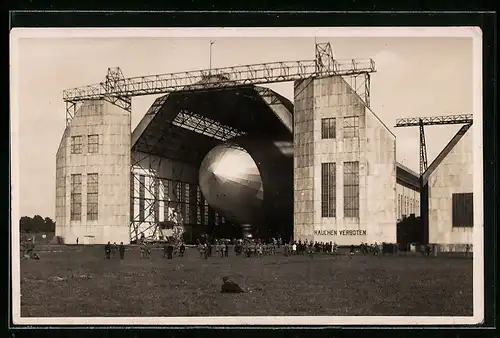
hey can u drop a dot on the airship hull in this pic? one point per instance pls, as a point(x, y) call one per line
point(249, 180)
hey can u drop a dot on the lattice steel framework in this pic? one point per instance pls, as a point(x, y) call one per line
point(119, 90)
point(202, 212)
point(149, 204)
point(150, 221)
point(205, 126)
point(430, 121)
point(434, 120)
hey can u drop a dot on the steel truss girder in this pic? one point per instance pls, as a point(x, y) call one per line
point(434, 120)
point(431, 121)
point(111, 84)
point(205, 126)
point(423, 149)
point(116, 86)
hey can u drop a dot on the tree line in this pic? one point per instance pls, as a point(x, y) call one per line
point(36, 224)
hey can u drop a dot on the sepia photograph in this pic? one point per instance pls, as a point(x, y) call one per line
point(299, 176)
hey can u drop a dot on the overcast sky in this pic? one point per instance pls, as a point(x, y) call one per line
point(415, 77)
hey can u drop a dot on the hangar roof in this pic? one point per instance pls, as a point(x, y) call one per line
point(407, 177)
point(185, 125)
point(442, 155)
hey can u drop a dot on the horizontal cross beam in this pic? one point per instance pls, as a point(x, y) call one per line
point(224, 77)
point(434, 120)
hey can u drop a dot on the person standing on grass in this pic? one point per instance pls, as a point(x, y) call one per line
point(77, 241)
point(181, 250)
point(200, 249)
point(113, 250)
point(107, 250)
point(226, 249)
point(170, 251)
point(122, 251)
point(206, 250)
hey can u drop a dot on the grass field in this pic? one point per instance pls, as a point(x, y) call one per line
point(75, 281)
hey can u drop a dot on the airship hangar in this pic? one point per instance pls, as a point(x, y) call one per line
point(228, 157)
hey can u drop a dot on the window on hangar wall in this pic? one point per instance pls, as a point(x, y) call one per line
point(76, 197)
point(328, 126)
point(76, 144)
point(351, 189)
point(328, 189)
point(463, 210)
point(93, 144)
point(92, 196)
point(351, 127)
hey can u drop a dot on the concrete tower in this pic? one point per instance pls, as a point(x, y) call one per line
point(93, 176)
point(344, 167)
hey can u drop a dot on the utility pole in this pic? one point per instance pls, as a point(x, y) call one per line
point(210, 57)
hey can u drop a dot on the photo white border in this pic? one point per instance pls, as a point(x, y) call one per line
point(478, 262)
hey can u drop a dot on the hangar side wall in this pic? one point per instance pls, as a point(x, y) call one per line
point(453, 175)
point(93, 165)
point(408, 202)
point(380, 153)
point(160, 178)
point(303, 167)
point(332, 98)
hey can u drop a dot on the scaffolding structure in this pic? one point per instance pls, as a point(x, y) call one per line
point(119, 91)
point(182, 198)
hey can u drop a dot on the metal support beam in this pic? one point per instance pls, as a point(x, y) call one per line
point(430, 121)
point(71, 109)
point(423, 149)
point(434, 120)
point(119, 90)
point(228, 77)
point(367, 89)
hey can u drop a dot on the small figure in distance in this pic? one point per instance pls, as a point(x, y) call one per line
point(114, 248)
point(107, 250)
point(181, 250)
point(229, 286)
point(122, 251)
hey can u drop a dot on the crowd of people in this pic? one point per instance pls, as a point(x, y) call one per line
point(373, 249)
point(246, 248)
point(301, 248)
point(110, 250)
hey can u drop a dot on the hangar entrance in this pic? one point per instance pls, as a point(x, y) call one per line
point(170, 143)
